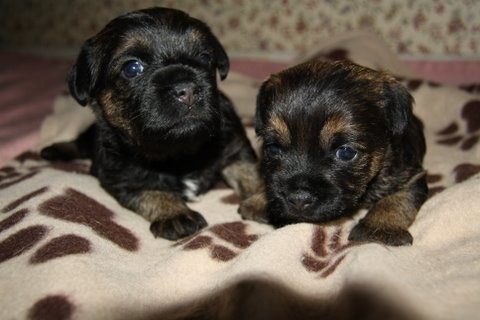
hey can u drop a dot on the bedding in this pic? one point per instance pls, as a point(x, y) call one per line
point(69, 251)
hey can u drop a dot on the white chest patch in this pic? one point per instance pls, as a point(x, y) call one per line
point(191, 189)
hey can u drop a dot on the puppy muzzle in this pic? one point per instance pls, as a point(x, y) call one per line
point(187, 93)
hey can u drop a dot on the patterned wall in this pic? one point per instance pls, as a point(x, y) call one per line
point(410, 27)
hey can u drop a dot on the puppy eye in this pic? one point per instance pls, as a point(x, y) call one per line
point(205, 58)
point(345, 153)
point(273, 148)
point(132, 68)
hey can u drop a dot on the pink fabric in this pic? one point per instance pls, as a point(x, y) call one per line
point(457, 72)
point(257, 68)
point(28, 86)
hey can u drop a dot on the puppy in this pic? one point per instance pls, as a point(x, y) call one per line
point(338, 137)
point(164, 133)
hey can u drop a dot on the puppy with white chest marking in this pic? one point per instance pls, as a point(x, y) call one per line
point(164, 133)
point(338, 137)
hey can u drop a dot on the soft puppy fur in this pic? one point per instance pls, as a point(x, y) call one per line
point(338, 137)
point(164, 133)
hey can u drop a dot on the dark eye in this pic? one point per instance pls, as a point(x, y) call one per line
point(132, 68)
point(345, 153)
point(205, 58)
point(273, 148)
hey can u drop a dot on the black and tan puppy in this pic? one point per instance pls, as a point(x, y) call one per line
point(338, 137)
point(164, 133)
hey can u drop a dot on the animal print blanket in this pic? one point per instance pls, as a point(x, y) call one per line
point(69, 251)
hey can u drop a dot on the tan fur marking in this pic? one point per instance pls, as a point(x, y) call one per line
point(114, 115)
point(158, 205)
point(278, 125)
point(333, 126)
point(243, 177)
point(196, 34)
point(394, 212)
point(254, 208)
point(132, 41)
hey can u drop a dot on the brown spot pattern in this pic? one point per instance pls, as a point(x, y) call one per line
point(450, 141)
point(232, 198)
point(61, 246)
point(434, 190)
point(469, 143)
point(18, 180)
point(471, 114)
point(13, 219)
point(53, 307)
point(198, 242)
point(327, 251)
point(14, 204)
point(450, 129)
point(21, 241)
point(464, 171)
point(233, 233)
point(222, 253)
point(433, 178)
point(76, 207)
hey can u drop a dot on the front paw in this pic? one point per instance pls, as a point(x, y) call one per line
point(391, 237)
point(254, 208)
point(179, 226)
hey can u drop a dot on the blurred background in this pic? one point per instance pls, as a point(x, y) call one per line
point(411, 28)
point(436, 40)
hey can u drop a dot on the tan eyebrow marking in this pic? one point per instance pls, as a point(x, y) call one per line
point(278, 125)
point(334, 125)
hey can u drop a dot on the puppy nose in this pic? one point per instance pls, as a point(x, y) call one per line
point(186, 93)
point(300, 199)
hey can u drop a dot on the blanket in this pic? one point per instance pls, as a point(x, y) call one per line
point(68, 250)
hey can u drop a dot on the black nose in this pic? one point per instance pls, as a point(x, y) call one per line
point(186, 93)
point(300, 199)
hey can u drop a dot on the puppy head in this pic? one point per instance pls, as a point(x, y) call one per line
point(326, 128)
point(152, 75)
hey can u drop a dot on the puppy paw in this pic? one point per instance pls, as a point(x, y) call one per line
point(179, 226)
point(391, 237)
point(254, 208)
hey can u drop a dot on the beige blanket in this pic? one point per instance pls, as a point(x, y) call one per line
point(70, 251)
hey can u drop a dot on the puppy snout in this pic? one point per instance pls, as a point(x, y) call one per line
point(300, 199)
point(186, 93)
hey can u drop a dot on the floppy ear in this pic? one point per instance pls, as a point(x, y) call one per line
point(82, 77)
point(263, 99)
point(398, 107)
point(221, 58)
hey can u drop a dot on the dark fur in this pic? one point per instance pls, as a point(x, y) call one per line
point(304, 115)
point(164, 135)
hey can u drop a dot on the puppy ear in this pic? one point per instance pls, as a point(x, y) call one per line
point(398, 107)
point(82, 76)
point(221, 58)
point(264, 96)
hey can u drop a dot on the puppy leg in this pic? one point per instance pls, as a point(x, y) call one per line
point(254, 208)
point(169, 215)
point(80, 148)
point(388, 220)
point(243, 177)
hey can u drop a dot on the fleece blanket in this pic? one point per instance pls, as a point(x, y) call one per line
point(69, 251)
